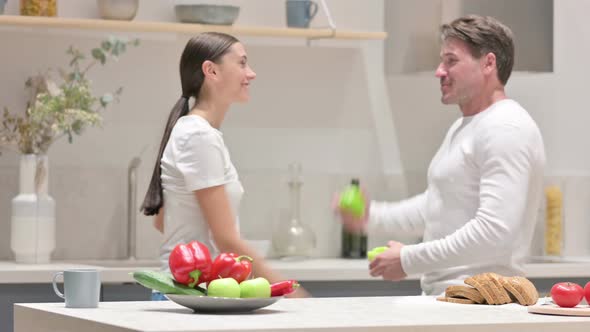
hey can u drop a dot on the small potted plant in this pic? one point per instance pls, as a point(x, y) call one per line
point(61, 104)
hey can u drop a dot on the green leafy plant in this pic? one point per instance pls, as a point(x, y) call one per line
point(63, 107)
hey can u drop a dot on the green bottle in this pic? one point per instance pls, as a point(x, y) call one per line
point(351, 200)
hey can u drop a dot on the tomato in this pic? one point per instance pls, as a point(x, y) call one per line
point(587, 292)
point(567, 294)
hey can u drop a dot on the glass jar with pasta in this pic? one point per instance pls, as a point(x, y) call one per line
point(554, 219)
point(38, 7)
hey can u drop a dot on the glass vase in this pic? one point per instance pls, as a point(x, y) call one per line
point(292, 239)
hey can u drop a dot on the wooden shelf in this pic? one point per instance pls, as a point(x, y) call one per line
point(183, 28)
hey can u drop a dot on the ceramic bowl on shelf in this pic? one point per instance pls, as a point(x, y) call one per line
point(207, 14)
point(123, 10)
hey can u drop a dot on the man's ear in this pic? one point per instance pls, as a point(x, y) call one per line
point(208, 68)
point(489, 64)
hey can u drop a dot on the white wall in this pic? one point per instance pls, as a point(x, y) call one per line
point(308, 105)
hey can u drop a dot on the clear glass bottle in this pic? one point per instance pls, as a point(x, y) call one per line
point(293, 239)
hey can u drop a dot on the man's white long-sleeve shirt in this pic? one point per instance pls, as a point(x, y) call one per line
point(479, 211)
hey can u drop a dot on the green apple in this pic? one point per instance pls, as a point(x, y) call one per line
point(374, 252)
point(257, 287)
point(224, 287)
point(352, 201)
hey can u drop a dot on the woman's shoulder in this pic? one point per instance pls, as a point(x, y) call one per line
point(193, 127)
point(191, 131)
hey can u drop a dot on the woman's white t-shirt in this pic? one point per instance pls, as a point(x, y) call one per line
point(194, 158)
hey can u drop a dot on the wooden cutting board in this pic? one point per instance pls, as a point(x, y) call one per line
point(553, 309)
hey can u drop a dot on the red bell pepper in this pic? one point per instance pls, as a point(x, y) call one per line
point(190, 263)
point(230, 265)
point(285, 287)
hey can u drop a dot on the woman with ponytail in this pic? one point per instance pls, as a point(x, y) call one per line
point(195, 191)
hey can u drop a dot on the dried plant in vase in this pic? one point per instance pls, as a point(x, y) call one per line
point(55, 108)
point(62, 107)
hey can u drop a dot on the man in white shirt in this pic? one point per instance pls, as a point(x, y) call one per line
point(484, 183)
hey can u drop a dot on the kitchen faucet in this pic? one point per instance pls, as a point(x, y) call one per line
point(132, 207)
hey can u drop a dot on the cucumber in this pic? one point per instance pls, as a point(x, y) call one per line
point(163, 283)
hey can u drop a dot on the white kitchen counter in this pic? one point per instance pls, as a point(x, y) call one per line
point(329, 269)
point(418, 313)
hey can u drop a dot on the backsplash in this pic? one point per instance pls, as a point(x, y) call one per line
point(91, 209)
point(322, 123)
point(309, 104)
point(576, 213)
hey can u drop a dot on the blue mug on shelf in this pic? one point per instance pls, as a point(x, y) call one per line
point(2, 3)
point(300, 13)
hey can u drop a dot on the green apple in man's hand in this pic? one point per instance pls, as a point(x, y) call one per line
point(224, 287)
point(374, 252)
point(257, 287)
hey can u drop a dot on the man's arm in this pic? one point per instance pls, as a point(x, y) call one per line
point(406, 216)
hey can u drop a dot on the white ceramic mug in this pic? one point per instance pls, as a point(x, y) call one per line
point(81, 287)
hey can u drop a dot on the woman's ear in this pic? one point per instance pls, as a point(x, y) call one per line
point(208, 68)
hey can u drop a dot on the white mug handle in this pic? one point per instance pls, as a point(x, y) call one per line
point(60, 294)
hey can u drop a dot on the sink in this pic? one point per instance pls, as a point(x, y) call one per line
point(557, 259)
point(121, 263)
point(542, 260)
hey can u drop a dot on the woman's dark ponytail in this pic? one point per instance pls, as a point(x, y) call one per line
point(154, 198)
point(205, 46)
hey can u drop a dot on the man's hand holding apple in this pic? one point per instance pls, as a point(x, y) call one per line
point(388, 263)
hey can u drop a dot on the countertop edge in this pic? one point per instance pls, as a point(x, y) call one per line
point(308, 270)
point(413, 313)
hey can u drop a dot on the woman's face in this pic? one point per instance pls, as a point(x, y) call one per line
point(234, 75)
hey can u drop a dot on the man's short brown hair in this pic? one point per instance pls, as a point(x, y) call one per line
point(483, 35)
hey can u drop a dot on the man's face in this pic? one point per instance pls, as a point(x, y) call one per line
point(461, 75)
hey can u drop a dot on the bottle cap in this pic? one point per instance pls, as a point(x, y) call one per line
point(355, 182)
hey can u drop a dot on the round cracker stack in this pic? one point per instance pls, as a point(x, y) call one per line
point(464, 291)
point(492, 288)
point(521, 289)
point(488, 284)
point(455, 300)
